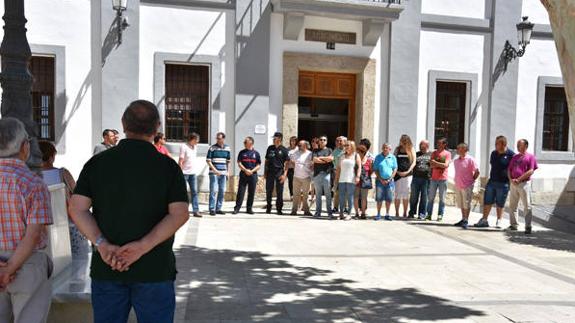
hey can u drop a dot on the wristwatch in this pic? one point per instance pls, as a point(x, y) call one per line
point(99, 241)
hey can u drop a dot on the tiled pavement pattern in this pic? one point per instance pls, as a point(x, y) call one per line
point(269, 268)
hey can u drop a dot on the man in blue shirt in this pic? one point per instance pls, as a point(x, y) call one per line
point(497, 187)
point(218, 159)
point(385, 167)
point(249, 162)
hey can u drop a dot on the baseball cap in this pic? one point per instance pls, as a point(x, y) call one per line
point(278, 135)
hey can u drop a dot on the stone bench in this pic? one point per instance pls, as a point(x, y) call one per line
point(71, 292)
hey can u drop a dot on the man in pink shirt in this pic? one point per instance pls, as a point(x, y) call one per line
point(440, 160)
point(466, 172)
point(521, 167)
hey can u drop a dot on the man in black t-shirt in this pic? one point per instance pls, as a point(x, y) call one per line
point(129, 202)
point(277, 158)
point(420, 182)
point(322, 169)
point(249, 163)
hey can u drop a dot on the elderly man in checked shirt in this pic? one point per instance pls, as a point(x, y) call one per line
point(25, 292)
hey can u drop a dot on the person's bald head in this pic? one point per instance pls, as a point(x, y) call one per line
point(141, 118)
point(424, 146)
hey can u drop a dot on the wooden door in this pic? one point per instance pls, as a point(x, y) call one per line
point(330, 86)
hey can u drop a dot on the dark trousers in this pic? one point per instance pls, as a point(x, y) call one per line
point(153, 302)
point(290, 181)
point(250, 183)
point(273, 178)
point(419, 193)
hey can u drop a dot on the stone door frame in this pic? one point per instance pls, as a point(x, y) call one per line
point(362, 67)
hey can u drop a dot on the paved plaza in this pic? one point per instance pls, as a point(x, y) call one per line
point(254, 268)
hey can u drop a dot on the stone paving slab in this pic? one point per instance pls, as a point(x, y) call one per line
point(269, 268)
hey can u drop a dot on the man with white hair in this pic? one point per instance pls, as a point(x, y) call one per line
point(420, 183)
point(25, 291)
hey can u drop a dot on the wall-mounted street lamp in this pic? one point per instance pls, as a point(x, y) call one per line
point(524, 29)
point(122, 22)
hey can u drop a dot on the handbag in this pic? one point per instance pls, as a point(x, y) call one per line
point(365, 179)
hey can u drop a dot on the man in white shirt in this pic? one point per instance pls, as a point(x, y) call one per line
point(188, 154)
point(303, 169)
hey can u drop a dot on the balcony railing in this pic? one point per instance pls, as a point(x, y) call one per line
point(385, 1)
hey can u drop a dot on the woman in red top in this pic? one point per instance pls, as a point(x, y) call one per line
point(159, 142)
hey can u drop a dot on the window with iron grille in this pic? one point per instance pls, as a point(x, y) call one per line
point(555, 120)
point(450, 102)
point(43, 87)
point(187, 101)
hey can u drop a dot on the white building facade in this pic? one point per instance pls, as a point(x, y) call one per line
point(362, 68)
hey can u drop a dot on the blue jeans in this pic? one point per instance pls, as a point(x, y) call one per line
point(346, 191)
point(384, 192)
point(217, 189)
point(193, 182)
point(419, 192)
point(322, 184)
point(152, 302)
point(434, 186)
point(496, 193)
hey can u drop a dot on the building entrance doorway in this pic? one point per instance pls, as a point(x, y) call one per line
point(326, 105)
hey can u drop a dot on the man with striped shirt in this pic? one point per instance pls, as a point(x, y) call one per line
point(218, 159)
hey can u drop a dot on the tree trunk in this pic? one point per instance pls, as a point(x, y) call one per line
point(562, 18)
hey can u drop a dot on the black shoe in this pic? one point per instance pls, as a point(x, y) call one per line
point(458, 224)
point(280, 212)
point(363, 217)
point(250, 212)
point(268, 211)
point(212, 213)
point(220, 212)
point(528, 230)
point(197, 215)
point(335, 210)
point(235, 212)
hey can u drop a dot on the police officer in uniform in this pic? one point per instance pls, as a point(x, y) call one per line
point(276, 169)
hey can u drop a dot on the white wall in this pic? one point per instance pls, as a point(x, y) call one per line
point(191, 32)
point(176, 30)
point(467, 58)
point(53, 24)
point(461, 8)
point(540, 60)
point(279, 46)
point(536, 12)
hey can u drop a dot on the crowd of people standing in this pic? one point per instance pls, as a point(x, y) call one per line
point(133, 264)
point(410, 180)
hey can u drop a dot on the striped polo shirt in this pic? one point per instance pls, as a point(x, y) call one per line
point(219, 156)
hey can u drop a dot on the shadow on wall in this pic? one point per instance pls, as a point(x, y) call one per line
point(239, 285)
point(62, 101)
point(111, 40)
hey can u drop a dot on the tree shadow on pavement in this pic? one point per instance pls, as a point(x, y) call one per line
point(254, 287)
point(554, 240)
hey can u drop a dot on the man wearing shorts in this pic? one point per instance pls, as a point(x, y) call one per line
point(466, 172)
point(385, 166)
point(497, 187)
